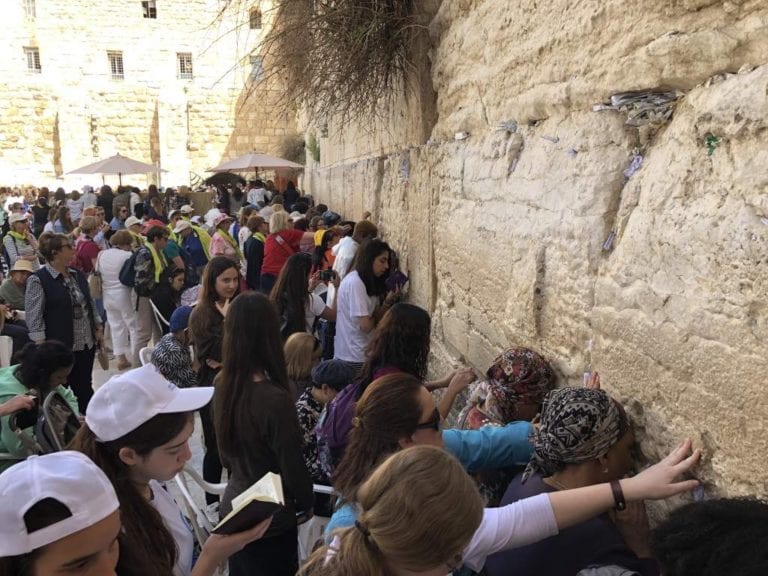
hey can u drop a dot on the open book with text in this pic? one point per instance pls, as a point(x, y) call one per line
point(257, 503)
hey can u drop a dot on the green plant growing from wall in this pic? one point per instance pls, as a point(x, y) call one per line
point(313, 147)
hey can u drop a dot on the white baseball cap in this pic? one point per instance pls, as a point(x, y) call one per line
point(181, 225)
point(132, 398)
point(70, 478)
point(187, 209)
point(132, 221)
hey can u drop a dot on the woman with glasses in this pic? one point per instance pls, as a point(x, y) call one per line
point(121, 214)
point(397, 412)
point(59, 306)
point(400, 343)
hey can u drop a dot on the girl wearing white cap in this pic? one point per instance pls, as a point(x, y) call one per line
point(137, 431)
point(59, 516)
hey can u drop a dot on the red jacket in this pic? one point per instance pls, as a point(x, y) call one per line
point(278, 248)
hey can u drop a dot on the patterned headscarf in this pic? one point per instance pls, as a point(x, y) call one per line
point(519, 375)
point(577, 425)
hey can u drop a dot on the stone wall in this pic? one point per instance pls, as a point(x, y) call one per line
point(73, 112)
point(505, 233)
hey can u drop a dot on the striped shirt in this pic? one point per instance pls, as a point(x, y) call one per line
point(35, 308)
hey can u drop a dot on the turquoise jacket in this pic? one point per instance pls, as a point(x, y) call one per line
point(487, 448)
point(10, 387)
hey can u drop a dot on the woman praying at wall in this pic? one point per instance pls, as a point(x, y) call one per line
point(584, 439)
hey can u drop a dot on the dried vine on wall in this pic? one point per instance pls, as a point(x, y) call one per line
point(346, 58)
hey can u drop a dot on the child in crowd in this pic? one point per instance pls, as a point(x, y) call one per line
point(137, 431)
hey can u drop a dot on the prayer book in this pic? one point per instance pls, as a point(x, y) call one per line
point(257, 503)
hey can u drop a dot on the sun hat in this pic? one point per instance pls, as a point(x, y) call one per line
point(132, 398)
point(68, 477)
point(180, 318)
point(149, 224)
point(16, 217)
point(132, 221)
point(181, 225)
point(221, 218)
point(22, 266)
point(187, 209)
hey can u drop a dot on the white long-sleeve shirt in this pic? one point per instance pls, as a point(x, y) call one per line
point(512, 526)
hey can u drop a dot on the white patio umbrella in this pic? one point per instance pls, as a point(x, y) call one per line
point(117, 164)
point(254, 161)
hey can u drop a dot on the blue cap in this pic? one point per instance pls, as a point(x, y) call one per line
point(336, 373)
point(180, 318)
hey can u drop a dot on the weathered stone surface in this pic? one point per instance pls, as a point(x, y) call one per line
point(151, 115)
point(502, 233)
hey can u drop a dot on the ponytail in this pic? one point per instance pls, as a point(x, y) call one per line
point(361, 556)
point(147, 547)
point(399, 507)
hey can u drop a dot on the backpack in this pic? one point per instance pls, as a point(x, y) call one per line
point(127, 274)
point(333, 428)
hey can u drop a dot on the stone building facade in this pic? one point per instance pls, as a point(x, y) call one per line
point(161, 81)
point(639, 252)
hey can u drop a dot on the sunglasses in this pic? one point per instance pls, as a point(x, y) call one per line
point(434, 422)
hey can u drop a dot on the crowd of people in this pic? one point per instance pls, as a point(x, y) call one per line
point(286, 328)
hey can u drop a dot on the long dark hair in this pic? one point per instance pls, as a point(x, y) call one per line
point(252, 344)
point(400, 339)
point(205, 313)
point(63, 216)
point(388, 411)
point(37, 362)
point(290, 293)
point(366, 254)
point(147, 546)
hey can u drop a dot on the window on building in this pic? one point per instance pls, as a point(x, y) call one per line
point(116, 65)
point(255, 19)
point(150, 8)
point(185, 65)
point(33, 59)
point(29, 9)
point(257, 68)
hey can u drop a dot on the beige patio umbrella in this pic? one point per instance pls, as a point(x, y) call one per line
point(254, 161)
point(117, 164)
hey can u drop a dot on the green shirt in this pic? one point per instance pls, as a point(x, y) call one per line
point(13, 296)
point(10, 387)
point(171, 250)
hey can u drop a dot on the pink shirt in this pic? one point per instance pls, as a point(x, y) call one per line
point(220, 247)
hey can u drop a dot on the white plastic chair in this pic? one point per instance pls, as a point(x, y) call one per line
point(201, 524)
point(145, 355)
point(162, 323)
point(313, 529)
point(309, 532)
